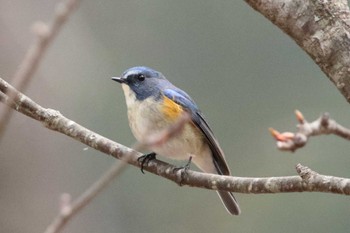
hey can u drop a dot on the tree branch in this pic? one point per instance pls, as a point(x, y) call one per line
point(54, 120)
point(45, 35)
point(320, 28)
point(288, 141)
point(68, 209)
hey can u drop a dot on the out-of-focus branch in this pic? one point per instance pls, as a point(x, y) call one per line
point(320, 28)
point(288, 141)
point(69, 209)
point(55, 121)
point(45, 34)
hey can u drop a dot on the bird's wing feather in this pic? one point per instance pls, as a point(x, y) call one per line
point(182, 98)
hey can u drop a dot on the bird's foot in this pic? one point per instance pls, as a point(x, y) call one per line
point(143, 159)
point(184, 170)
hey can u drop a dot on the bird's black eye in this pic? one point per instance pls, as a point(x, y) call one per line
point(141, 77)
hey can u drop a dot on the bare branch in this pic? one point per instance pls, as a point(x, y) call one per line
point(55, 121)
point(174, 129)
point(45, 35)
point(68, 209)
point(288, 141)
point(320, 28)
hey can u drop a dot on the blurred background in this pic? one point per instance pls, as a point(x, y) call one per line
point(244, 73)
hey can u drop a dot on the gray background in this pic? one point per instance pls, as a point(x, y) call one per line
point(244, 73)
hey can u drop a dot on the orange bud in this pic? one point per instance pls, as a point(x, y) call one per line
point(274, 132)
point(288, 135)
point(281, 136)
point(299, 116)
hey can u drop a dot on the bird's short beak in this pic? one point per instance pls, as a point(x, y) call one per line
point(118, 79)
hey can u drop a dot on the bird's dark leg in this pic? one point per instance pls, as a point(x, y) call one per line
point(143, 159)
point(184, 169)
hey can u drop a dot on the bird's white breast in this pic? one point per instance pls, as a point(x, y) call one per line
point(146, 119)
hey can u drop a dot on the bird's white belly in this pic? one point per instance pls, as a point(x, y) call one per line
point(147, 120)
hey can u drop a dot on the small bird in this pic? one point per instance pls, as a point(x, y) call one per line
point(154, 104)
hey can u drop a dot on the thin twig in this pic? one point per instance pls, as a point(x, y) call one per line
point(69, 209)
point(54, 120)
point(165, 135)
point(288, 141)
point(45, 34)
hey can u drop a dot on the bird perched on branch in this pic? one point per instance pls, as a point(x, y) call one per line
point(154, 104)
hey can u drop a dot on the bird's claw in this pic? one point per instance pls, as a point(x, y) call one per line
point(184, 169)
point(145, 159)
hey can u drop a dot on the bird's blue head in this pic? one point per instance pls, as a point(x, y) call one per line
point(143, 81)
